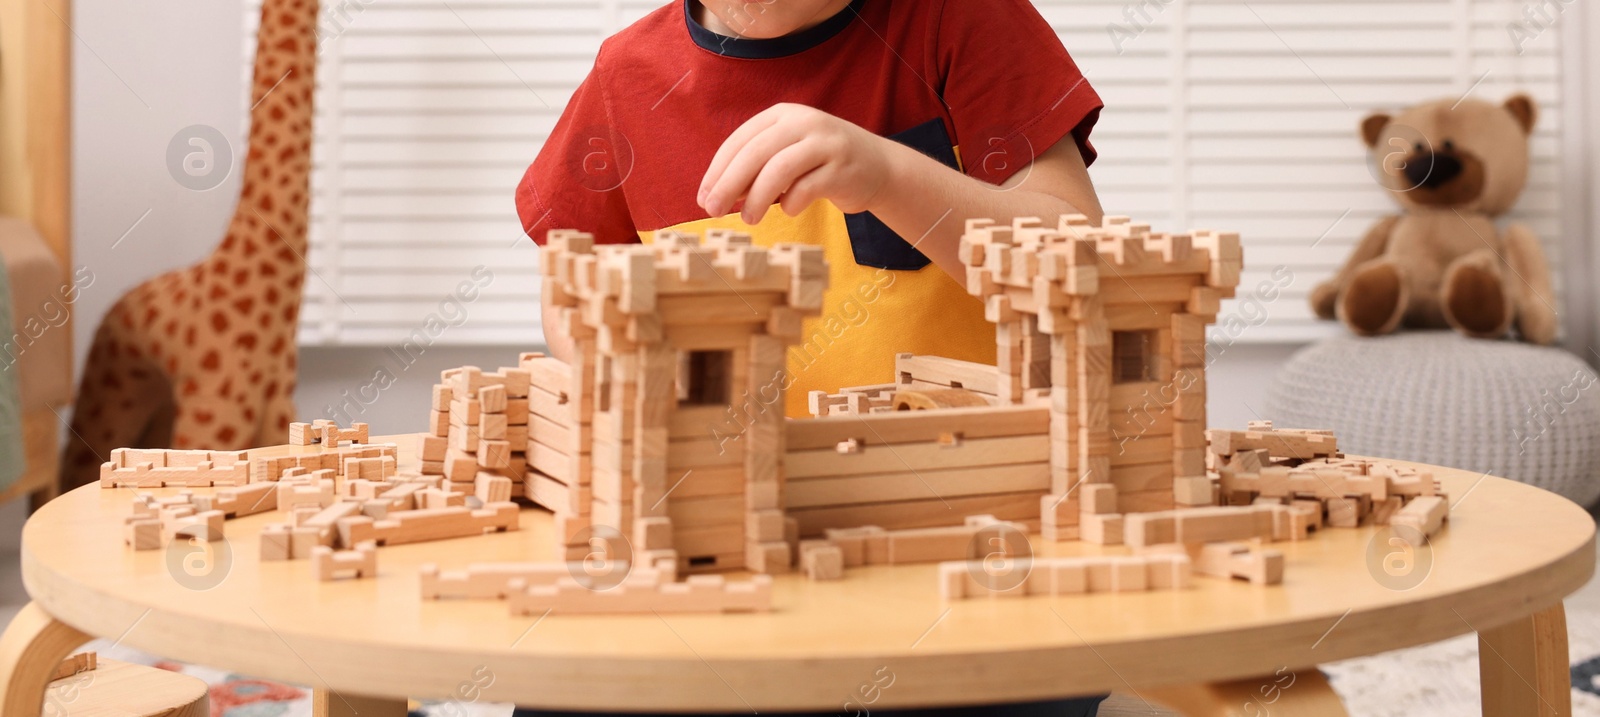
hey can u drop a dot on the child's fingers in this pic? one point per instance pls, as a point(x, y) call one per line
point(779, 174)
point(745, 165)
point(731, 146)
point(805, 190)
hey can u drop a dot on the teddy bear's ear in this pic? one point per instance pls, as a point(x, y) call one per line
point(1522, 108)
point(1372, 128)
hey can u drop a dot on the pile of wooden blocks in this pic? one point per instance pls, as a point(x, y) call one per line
point(559, 463)
point(156, 522)
point(1303, 470)
point(479, 431)
point(1280, 444)
point(268, 468)
point(331, 514)
point(326, 433)
point(959, 580)
point(165, 468)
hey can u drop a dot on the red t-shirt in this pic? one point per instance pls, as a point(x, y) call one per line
point(982, 86)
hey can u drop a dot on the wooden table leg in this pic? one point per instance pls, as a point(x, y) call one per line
point(1524, 669)
point(31, 648)
point(1303, 694)
point(327, 703)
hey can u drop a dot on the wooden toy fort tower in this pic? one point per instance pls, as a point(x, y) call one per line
point(1095, 409)
point(672, 338)
point(1109, 322)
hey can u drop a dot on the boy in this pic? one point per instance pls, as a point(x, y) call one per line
point(876, 127)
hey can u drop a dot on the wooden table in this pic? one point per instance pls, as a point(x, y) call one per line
point(1501, 567)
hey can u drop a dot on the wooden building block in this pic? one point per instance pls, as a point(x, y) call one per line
point(1099, 498)
point(1101, 528)
point(415, 526)
point(491, 488)
point(466, 412)
point(1278, 443)
point(1192, 490)
point(644, 591)
point(275, 542)
point(493, 454)
point(300, 434)
point(302, 540)
point(492, 581)
point(492, 399)
point(772, 557)
point(1237, 560)
point(434, 498)
point(433, 448)
point(76, 664)
point(143, 534)
point(1169, 572)
point(1424, 513)
point(492, 426)
point(358, 562)
point(240, 501)
point(1144, 529)
point(206, 526)
point(318, 493)
point(821, 560)
point(1344, 512)
point(1068, 576)
point(460, 466)
point(1205, 525)
point(652, 533)
point(1119, 574)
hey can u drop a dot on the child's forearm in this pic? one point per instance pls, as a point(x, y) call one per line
point(928, 203)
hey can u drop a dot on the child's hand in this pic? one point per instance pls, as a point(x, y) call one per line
point(800, 155)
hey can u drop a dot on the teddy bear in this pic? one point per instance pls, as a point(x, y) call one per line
point(1453, 166)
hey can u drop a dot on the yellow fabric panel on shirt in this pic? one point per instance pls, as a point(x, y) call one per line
point(868, 314)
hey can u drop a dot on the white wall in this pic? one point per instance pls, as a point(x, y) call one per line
point(142, 72)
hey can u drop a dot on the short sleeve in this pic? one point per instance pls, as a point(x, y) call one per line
point(576, 181)
point(1011, 88)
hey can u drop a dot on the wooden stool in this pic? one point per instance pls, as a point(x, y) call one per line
point(120, 689)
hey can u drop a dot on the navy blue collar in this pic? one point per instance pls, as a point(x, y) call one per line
point(752, 49)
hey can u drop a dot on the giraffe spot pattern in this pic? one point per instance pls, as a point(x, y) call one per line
point(256, 258)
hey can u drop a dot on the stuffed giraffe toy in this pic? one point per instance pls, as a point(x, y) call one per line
point(205, 356)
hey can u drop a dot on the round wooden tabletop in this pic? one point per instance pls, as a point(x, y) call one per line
point(1508, 551)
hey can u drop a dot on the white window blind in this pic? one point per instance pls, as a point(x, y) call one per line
point(1244, 116)
point(1224, 115)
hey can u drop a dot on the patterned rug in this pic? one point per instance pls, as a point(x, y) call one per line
point(1438, 680)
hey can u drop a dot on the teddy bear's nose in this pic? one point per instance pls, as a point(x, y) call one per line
point(1432, 169)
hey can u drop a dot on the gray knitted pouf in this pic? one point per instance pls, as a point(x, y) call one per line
point(1523, 412)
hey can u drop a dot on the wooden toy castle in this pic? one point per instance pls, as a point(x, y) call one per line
point(661, 445)
point(673, 432)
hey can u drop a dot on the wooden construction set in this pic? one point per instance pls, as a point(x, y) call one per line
point(662, 449)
